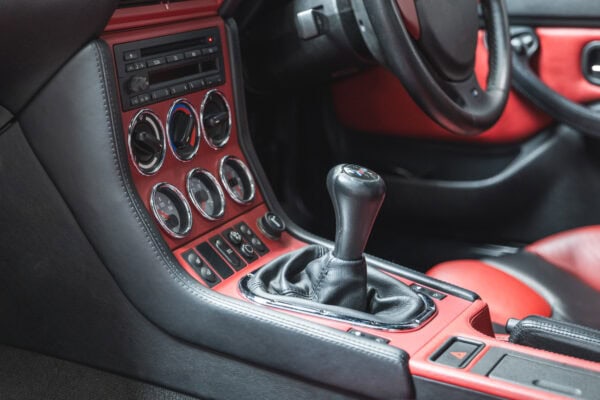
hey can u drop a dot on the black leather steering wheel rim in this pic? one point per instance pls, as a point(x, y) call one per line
point(461, 107)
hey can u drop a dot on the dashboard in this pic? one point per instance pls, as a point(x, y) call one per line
point(179, 118)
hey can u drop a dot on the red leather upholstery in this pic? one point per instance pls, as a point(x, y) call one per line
point(506, 296)
point(576, 251)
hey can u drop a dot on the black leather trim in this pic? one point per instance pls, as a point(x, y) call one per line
point(74, 127)
point(271, 199)
point(558, 337)
point(571, 299)
point(38, 37)
point(56, 297)
point(349, 288)
point(5, 118)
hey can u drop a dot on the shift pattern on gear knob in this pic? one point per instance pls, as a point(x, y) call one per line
point(357, 194)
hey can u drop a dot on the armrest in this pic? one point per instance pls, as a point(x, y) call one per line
point(558, 337)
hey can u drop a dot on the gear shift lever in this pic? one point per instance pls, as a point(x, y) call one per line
point(338, 283)
point(357, 194)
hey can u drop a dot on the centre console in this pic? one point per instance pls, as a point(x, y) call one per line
point(196, 174)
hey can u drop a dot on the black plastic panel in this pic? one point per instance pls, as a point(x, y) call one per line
point(554, 12)
point(539, 374)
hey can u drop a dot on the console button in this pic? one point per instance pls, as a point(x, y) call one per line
point(457, 353)
point(179, 89)
point(155, 62)
point(258, 245)
point(196, 84)
point(201, 269)
point(431, 293)
point(235, 238)
point(175, 57)
point(213, 80)
point(193, 53)
point(248, 251)
point(131, 55)
point(207, 274)
point(227, 253)
point(160, 94)
point(144, 98)
point(136, 66)
point(271, 225)
point(134, 101)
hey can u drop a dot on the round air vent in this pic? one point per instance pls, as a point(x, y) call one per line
point(182, 130)
point(146, 142)
point(215, 117)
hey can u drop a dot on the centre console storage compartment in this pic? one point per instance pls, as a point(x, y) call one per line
point(537, 373)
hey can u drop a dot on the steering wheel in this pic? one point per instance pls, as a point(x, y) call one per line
point(430, 46)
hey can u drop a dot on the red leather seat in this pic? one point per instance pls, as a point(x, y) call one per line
point(556, 277)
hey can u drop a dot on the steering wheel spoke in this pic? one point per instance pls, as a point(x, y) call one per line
point(437, 69)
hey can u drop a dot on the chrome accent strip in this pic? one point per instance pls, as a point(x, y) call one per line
point(217, 186)
point(405, 326)
point(196, 123)
point(188, 211)
point(206, 96)
point(156, 122)
point(246, 171)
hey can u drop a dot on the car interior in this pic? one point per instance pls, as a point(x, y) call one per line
point(300, 199)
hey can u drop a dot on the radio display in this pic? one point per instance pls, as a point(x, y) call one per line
point(170, 74)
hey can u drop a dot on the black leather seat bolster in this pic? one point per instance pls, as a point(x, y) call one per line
point(74, 127)
point(571, 299)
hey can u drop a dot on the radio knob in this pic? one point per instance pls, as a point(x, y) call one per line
point(138, 83)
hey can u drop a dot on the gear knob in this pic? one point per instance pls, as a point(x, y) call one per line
point(357, 194)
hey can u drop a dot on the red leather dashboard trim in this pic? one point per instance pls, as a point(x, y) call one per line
point(375, 101)
point(491, 284)
point(142, 16)
point(174, 171)
point(576, 251)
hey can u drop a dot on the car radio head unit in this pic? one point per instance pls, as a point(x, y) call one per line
point(161, 68)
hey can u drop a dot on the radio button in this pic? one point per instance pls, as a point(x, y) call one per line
point(144, 98)
point(175, 57)
point(134, 101)
point(155, 62)
point(159, 94)
point(196, 84)
point(135, 66)
point(131, 55)
point(213, 80)
point(193, 53)
point(210, 50)
point(179, 89)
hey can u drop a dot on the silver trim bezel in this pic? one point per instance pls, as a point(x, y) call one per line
point(188, 210)
point(198, 131)
point(230, 121)
point(248, 174)
point(161, 132)
point(214, 180)
point(404, 326)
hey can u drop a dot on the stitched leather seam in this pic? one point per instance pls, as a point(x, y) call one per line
point(179, 278)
